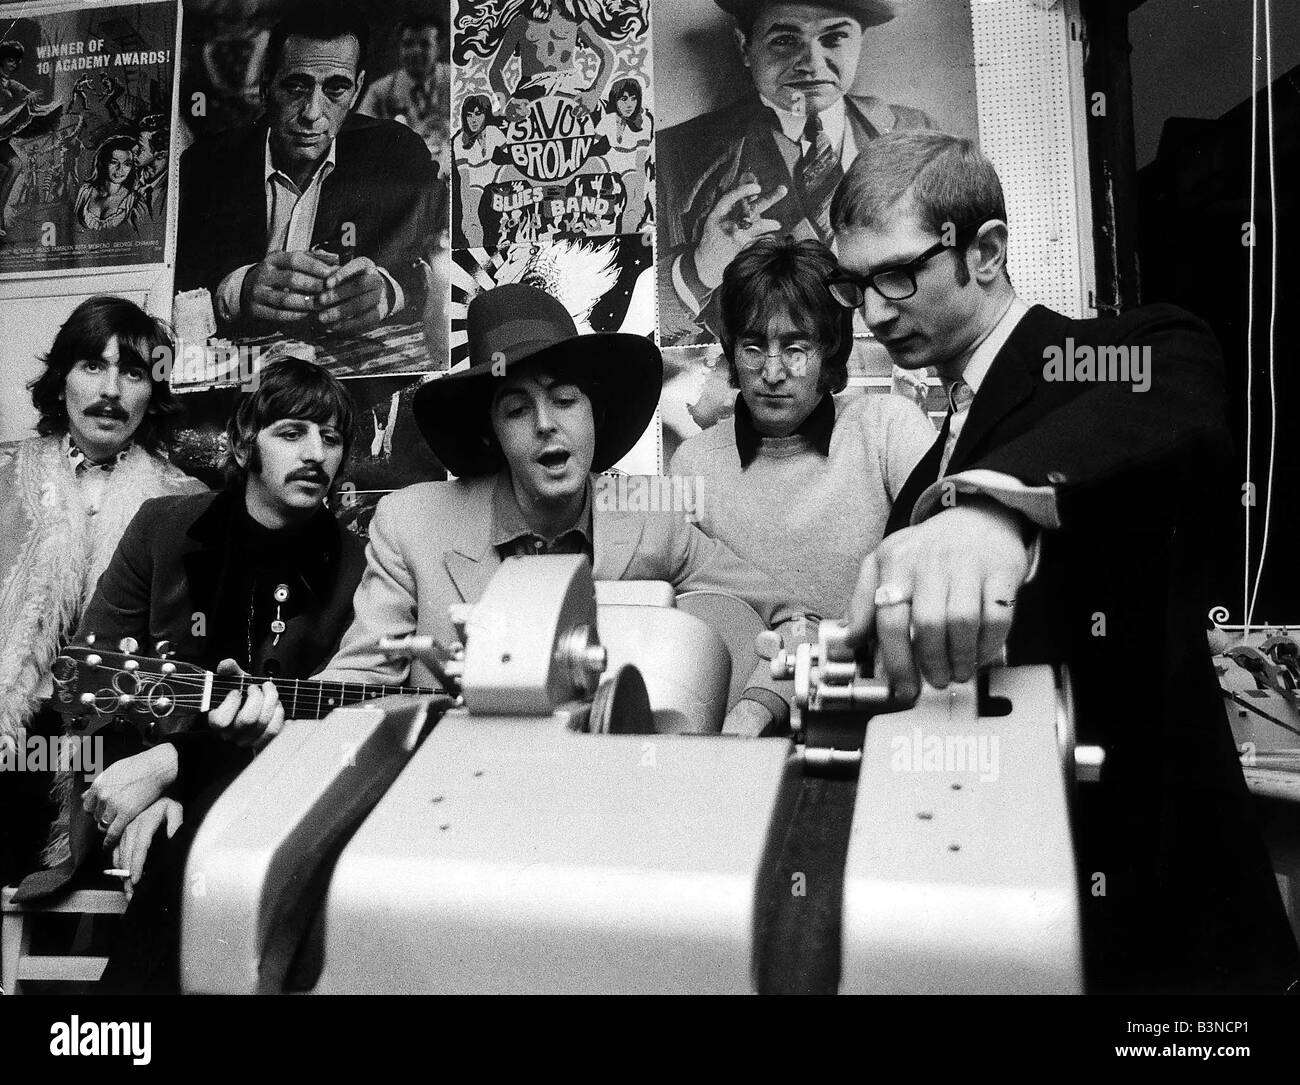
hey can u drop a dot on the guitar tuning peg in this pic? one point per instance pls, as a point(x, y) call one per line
point(128, 645)
point(90, 638)
point(163, 649)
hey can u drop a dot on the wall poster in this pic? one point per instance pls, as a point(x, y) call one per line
point(85, 138)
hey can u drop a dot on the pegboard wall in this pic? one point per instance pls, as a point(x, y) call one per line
point(1029, 85)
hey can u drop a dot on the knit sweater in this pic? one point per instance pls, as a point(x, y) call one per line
point(807, 519)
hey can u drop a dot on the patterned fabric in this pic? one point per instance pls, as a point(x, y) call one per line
point(81, 463)
point(51, 556)
point(816, 174)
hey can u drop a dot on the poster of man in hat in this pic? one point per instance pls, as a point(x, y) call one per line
point(552, 106)
point(765, 103)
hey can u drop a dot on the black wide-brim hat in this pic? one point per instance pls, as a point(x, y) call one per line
point(513, 324)
point(866, 12)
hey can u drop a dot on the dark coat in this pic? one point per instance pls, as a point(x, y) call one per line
point(1189, 899)
point(170, 579)
point(383, 183)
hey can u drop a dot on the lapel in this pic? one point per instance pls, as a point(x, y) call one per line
point(246, 219)
point(205, 563)
point(922, 477)
point(617, 539)
point(760, 154)
point(470, 559)
point(1011, 380)
point(339, 192)
point(869, 118)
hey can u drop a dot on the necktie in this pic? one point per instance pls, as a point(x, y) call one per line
point(960, 395)
point(816, 174)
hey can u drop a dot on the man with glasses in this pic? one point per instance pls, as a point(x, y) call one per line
point(797, 482)
point(1109, 483)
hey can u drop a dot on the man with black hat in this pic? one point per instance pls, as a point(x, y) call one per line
point(769, 161)
point(539, 409)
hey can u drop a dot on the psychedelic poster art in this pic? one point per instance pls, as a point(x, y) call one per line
point(553, 120)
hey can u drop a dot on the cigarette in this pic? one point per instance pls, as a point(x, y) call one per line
point(116, 872)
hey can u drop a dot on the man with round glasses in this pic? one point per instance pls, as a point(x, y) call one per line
point(1111, 481)
point(797, 482)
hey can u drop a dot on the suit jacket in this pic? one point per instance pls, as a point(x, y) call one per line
point(172, 565)
point(1188, 899)
point(383, 183)
point(697, 161)
point(175, 562)
point(430, 548)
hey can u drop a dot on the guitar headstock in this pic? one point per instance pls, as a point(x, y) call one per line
point(92, 687)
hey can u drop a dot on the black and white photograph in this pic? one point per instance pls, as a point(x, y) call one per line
point(315, 205)
point(745, 84)
point(648, 498)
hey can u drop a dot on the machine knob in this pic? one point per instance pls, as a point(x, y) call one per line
point(596, 659)
point(783, 664)
point(767, 644)
point(1088, 763)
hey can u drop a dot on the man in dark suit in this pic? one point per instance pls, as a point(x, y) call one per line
point(769, 161)
point(1066, 502)
point(313, 219)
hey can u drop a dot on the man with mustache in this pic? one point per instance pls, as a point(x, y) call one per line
point(768, 162)
point(66, 496)
point(315, 219)
point(258, 578)
point(539, 410)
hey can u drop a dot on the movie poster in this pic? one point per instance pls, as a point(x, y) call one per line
point(361, 276)
point(85, 138)
point(553, 121)
point(731, 168)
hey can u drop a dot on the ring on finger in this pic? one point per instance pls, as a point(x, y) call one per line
point(891, 595)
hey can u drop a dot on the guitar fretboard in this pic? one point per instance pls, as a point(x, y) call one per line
point(304, 699)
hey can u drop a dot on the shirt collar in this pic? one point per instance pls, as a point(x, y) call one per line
point(816, 429)
point(981, 358)
point(322, 171)
point(81, 463)
point(508, 523)
point(792, 124)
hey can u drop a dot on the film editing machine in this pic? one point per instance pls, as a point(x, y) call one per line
point(554, 821)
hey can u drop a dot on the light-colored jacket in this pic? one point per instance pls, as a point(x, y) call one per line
point(430, 547)
point(52, 554)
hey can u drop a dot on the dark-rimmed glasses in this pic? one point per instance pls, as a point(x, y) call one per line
point(896, 282)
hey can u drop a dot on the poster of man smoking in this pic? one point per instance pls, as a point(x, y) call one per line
point(764, 105)
point(85, 137)
point(553, 117)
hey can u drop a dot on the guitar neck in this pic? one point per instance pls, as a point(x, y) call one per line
point(304, 699)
